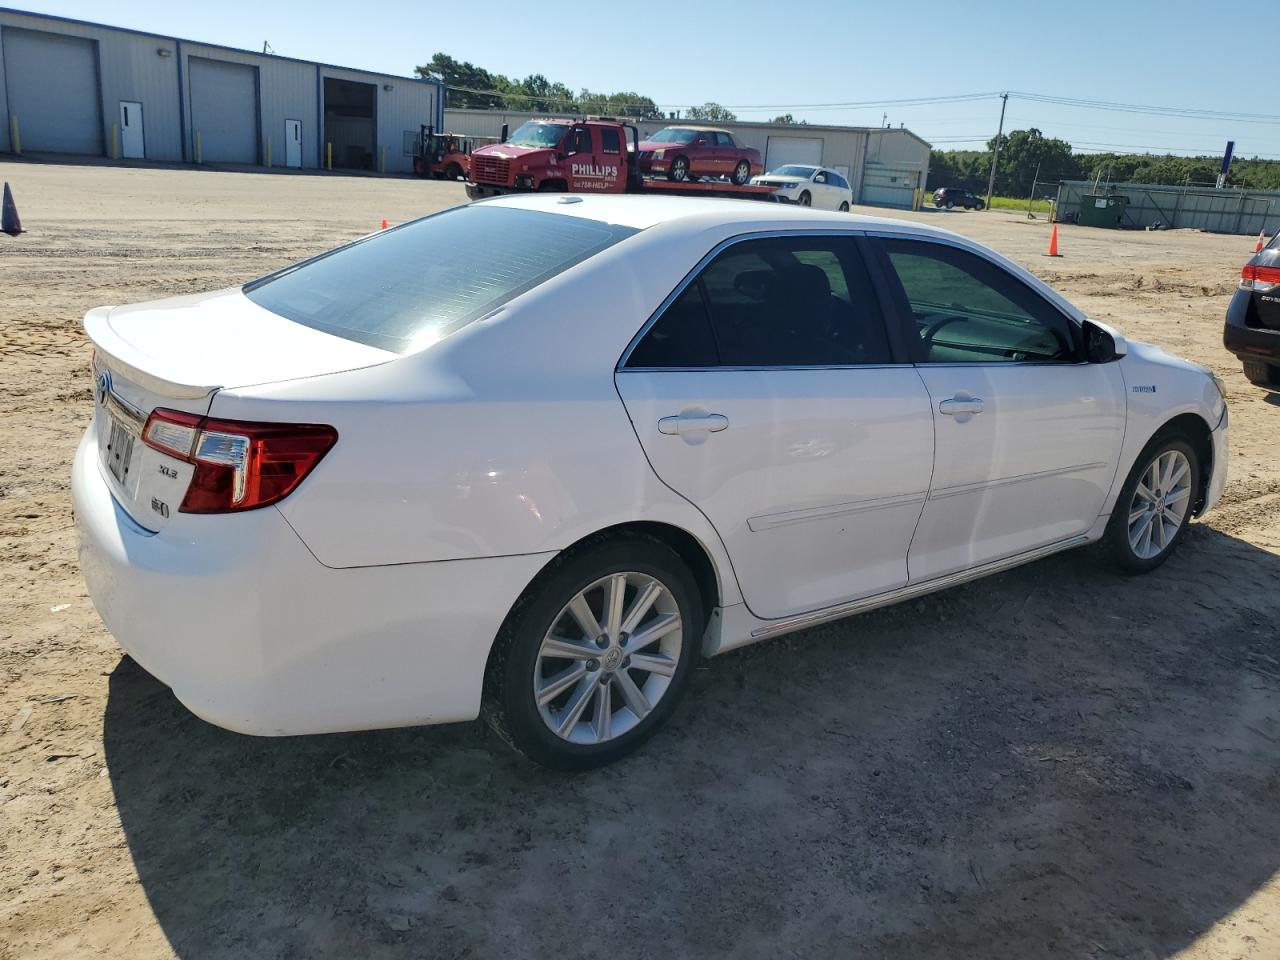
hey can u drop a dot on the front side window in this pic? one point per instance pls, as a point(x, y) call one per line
point(965, 309)
point(580, 142)
point(821, 177)
point(404, 289)
point(775, 302)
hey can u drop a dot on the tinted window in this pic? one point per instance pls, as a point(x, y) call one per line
point(405, 288)
point(788, 301)
point(839, 181)
point(821, 177)
point(724, 140)
point(580, 142)
point(609, 141)
point(681, 337)
point(967, 309)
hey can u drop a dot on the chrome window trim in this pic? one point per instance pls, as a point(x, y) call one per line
point(832, 233)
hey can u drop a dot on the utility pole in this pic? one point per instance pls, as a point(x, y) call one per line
point(995, 156)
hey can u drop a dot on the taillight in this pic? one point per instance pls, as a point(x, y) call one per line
point(238, 465)
point(1262, 279)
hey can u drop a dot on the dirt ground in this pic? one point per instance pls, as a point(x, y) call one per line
point(1056, 762)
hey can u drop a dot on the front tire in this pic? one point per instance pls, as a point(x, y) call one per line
point(741, 173)
point(594, 657)
point(1155, 505)
point(679, 171)
point(804, 199)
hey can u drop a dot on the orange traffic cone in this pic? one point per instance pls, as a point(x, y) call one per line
point(9, 221)
point(1053, 243)
point(1262, 240)
point(384, 224)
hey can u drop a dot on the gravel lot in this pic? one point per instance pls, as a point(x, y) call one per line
point(1056, 762)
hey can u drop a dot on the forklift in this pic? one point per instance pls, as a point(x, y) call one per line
point(443, 155)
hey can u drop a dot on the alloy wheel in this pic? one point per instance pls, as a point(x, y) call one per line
point(1160, 504)
point(608, 658)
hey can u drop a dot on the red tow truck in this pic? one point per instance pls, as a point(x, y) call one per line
point(592, 155)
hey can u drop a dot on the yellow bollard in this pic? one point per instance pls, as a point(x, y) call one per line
point(14, 136)
point(115, 141)
point(328, 156)
point(268, 153)
point(198, 151)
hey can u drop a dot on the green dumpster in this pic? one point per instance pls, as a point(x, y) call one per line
point(1102, 210)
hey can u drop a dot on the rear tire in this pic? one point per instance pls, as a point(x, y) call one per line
point(844, 207)
point(980, 205)
point(741, 173)
point(543, 653)
point(1155, 505)
point(1262, 374)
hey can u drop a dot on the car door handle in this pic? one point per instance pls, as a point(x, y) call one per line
point(961, 405)
point(712, 422)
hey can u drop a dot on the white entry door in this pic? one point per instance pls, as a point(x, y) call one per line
point(132, 143)
point(293, 143)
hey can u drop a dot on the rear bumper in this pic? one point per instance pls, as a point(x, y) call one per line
point(1252, 343)
point(255, 635)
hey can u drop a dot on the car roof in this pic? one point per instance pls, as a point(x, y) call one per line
point(641, 212)
point(689, 126)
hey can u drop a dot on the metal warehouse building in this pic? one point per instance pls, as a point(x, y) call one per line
point(71, 87)
point(884, 165)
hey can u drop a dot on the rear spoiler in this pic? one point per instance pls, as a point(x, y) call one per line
point(121, 356)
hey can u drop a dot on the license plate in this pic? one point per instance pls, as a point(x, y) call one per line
point(119, 450)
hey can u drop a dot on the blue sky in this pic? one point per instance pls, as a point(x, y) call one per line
point(764, 58)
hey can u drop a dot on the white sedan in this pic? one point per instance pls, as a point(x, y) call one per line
point(532, 457)
point(809, 186)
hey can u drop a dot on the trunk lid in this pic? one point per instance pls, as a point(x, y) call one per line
point(177, 353)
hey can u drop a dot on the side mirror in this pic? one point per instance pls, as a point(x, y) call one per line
point(1102, 344)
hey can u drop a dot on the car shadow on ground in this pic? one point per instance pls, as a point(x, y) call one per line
point(1054, 762)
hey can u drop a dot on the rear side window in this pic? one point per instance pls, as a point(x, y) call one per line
point(609, 141)
point(406, 288)
point(776, 302)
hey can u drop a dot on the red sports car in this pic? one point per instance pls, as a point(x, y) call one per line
point(686, 153)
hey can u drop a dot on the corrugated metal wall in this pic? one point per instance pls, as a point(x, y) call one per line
point(1197, 208)
point(847, 149)
point(154, 71)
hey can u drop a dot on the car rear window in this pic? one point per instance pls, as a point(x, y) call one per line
point(405, 288)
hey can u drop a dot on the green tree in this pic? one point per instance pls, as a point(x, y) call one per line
point(1023, 152)
point(460, 77)
point(710, 111)
point(785, 118)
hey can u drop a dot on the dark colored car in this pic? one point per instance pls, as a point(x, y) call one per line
point(686, 153)
point(1252, 332)
point(951, 197)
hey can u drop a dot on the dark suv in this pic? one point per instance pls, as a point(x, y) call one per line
point(1252, 332)
point(951, 197)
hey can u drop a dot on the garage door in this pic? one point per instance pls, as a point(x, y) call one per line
point(224, 110)
point(53, 90)
point(885, 186)
point(792, 150)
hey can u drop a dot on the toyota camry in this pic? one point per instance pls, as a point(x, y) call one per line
point(530, 458)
